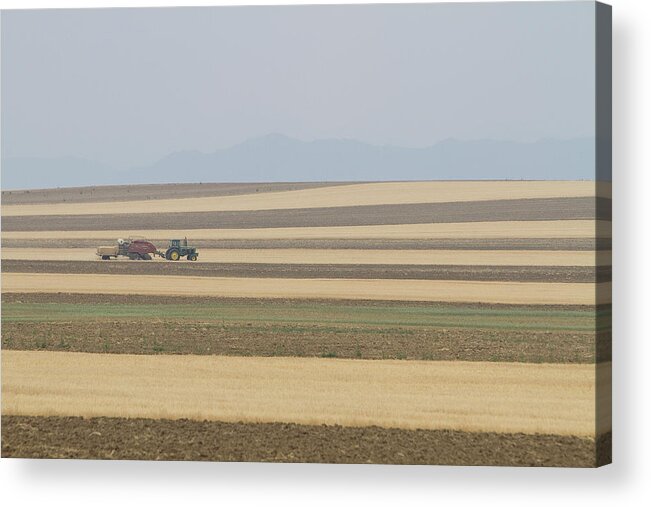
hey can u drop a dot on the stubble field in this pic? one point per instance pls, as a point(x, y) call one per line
point(396, 312)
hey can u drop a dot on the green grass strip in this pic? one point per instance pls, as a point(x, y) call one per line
point(395, 316)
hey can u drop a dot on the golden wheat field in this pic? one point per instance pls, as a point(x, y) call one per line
point(474, 230)
point(505, 397)
point(350, 256)
point(395, 290)
point(347, 195)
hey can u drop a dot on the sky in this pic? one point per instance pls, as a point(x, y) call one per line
point(126, 87)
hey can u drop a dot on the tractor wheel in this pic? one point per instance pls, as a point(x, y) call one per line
point(145, 257)
point(192, 257)
point(173, 254)
point(134, 256)
point(105, 258)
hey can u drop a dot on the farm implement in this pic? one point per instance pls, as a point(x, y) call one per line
point(135, 248)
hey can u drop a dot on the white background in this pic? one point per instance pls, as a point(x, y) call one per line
point(627, 481)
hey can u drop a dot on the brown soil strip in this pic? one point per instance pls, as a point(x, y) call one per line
point(467, 396)
point(552, 244)
point(112, 193)
point(571, 208)
point(287, 339)
point(552, 274)
point(136, 299)
point(150, 439)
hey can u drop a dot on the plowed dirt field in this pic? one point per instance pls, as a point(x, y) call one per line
point(117, 438)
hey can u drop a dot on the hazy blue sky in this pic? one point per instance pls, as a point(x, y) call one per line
point(128, 86)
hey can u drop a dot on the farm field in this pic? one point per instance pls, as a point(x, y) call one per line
point(304, 328)
point(398, 316)
point(360, 194)
point(349, 256)
point(362, 289)
point(446, 272)
point(537, 229)
point(185, 439)
point(476, 396)
point(552, 209)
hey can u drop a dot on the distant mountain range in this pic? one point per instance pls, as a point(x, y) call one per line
point(277, 157)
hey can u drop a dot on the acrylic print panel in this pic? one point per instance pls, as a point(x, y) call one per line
point(340, 234)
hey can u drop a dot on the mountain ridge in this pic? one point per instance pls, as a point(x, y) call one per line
point(277, 157)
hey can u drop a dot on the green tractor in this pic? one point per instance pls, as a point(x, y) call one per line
point(179, 248)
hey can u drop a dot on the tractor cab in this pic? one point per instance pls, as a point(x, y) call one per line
point(179, 248)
